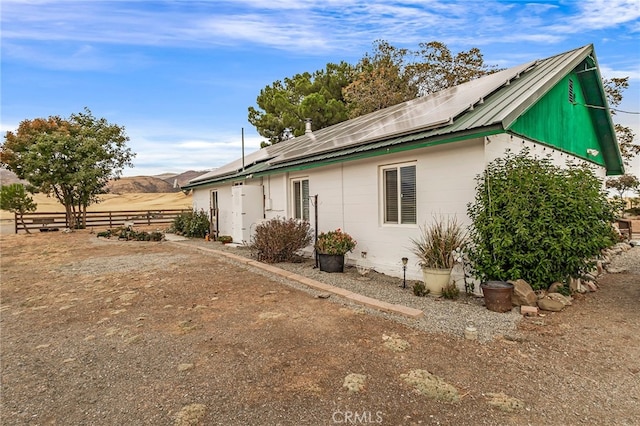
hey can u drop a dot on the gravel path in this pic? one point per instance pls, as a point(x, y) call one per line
point(440, 315)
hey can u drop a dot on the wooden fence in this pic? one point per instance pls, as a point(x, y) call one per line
point(49, 221)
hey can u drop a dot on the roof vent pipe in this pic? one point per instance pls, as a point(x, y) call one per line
point(307, 126)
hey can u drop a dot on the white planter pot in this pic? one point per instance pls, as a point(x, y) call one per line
point(435, 280)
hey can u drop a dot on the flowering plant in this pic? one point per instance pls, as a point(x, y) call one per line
point(335, 243)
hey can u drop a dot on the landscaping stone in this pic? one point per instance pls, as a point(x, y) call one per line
point(551, 305)
point(523, 294)
point(566, 301)
point(555, 287)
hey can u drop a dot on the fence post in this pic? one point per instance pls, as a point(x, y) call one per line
point(149, 217)
point(15, 222)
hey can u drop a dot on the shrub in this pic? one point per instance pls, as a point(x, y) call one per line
point(225, 239)
point(335, 243)
point(193, 224)
point(420, 289)
point(278, 240)
point(450, 291)
point(536, 221)
point(128, 234)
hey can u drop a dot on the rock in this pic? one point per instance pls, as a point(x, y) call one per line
point(599, 267)
point(616, 270)
point(548, 304)
point(522, 294)
point(575, 285)
point(554, 288)
point(591, 286)
point(566, 301)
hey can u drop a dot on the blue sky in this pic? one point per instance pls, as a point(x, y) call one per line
point(180, 75)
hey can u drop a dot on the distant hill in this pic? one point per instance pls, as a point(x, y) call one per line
point(140, 184)
point(7, 177)
point(164, 183)
point(182, 178)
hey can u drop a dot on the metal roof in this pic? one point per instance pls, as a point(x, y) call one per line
point(488, 104)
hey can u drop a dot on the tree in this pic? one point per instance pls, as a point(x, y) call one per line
point(614, 88)
point(14, 198)
point(391, 75)
point(438, 69)
point(284, 106)
point(71, 159)
point(623, 184)
point(383, 79)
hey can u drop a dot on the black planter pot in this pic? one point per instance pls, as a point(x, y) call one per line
point(497, 295)
point(331, 262)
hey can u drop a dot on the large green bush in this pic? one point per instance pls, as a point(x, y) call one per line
point(278, 240)
point(536, 221)
point(194, 224)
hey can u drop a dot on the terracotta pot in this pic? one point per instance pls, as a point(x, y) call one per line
point(435, 280)
point(497, 295)
point(331, 262)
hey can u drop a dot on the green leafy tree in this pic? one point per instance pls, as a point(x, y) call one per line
point(283, 106)
point(622, 184)
point(536, 221)
point(14, 198)
point(71, 159)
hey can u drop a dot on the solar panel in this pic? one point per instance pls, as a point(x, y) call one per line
point(424, 113)
point(431, 111)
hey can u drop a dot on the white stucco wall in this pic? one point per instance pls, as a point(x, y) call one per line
point(349, 196)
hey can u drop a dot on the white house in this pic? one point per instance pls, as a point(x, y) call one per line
point(380, 176)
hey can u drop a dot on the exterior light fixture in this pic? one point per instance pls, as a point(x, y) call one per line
point(404, 271)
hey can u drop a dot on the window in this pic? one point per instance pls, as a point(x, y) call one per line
point(399, 194)
point(301, 199)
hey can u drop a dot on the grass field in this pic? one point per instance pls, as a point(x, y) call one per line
point(117, 202)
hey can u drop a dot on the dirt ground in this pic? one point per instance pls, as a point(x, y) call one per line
point(106, 332)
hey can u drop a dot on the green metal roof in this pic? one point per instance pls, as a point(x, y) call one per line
point(487, 105)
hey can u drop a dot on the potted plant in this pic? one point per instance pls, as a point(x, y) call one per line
point(435, 248)
point(331, 247)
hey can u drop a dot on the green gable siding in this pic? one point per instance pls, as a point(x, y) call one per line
point(555, 121)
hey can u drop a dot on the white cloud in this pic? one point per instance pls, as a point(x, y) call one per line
point(607, 72)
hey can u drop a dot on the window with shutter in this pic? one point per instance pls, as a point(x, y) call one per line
point(399, 194)
point(300, 189)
